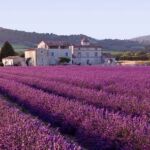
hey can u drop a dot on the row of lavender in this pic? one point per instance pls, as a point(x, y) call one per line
point(80, 75)
point(22, 131)
point(116, 94)
point(95, 78)
point(91, 126)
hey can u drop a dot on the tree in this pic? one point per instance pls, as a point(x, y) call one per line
point(63, 60)
point(6, 50)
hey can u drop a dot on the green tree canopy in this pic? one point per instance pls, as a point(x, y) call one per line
point(63, 60)
point(6, 50)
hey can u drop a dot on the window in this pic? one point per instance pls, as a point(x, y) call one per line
point(96, 54)
point(79, 54)
point(66, 54)
point(88, 61)
point(52, 54)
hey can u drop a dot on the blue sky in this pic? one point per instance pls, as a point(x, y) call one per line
point(97, 18)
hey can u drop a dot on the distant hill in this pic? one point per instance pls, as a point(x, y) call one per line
point(22, 40)
point(121, 45)
point(145, 40)
point(31, 39)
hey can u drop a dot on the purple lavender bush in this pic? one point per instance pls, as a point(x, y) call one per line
point(101, 107)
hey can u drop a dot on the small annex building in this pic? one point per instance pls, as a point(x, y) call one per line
point(13, 61)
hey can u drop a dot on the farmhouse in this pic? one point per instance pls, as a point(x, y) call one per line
point(50, 53)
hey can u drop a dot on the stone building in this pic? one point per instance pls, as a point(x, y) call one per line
point(48, 53)
point(13, 61)
point(86, 53)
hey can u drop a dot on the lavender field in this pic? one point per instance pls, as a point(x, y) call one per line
point(74, 108)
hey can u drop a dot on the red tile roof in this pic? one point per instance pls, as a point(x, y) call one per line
point(87, 46)
point(57, 43)
point(12, 57)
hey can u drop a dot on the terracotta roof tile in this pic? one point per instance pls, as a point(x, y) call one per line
point(57, 43)
point(12, 57)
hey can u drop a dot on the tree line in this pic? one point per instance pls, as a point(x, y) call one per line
point(140, 55)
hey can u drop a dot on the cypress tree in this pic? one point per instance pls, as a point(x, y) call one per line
point(6, 50)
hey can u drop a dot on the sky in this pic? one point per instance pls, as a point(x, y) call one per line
point(101, 19)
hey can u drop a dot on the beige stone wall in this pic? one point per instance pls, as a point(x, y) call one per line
point(55, 54)
point(7, 62)
point(32, 55)
point(45, 57)
point(42, 57)
point(87, 56)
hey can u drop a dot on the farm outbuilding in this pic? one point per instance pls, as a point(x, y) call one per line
point(13, 61)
